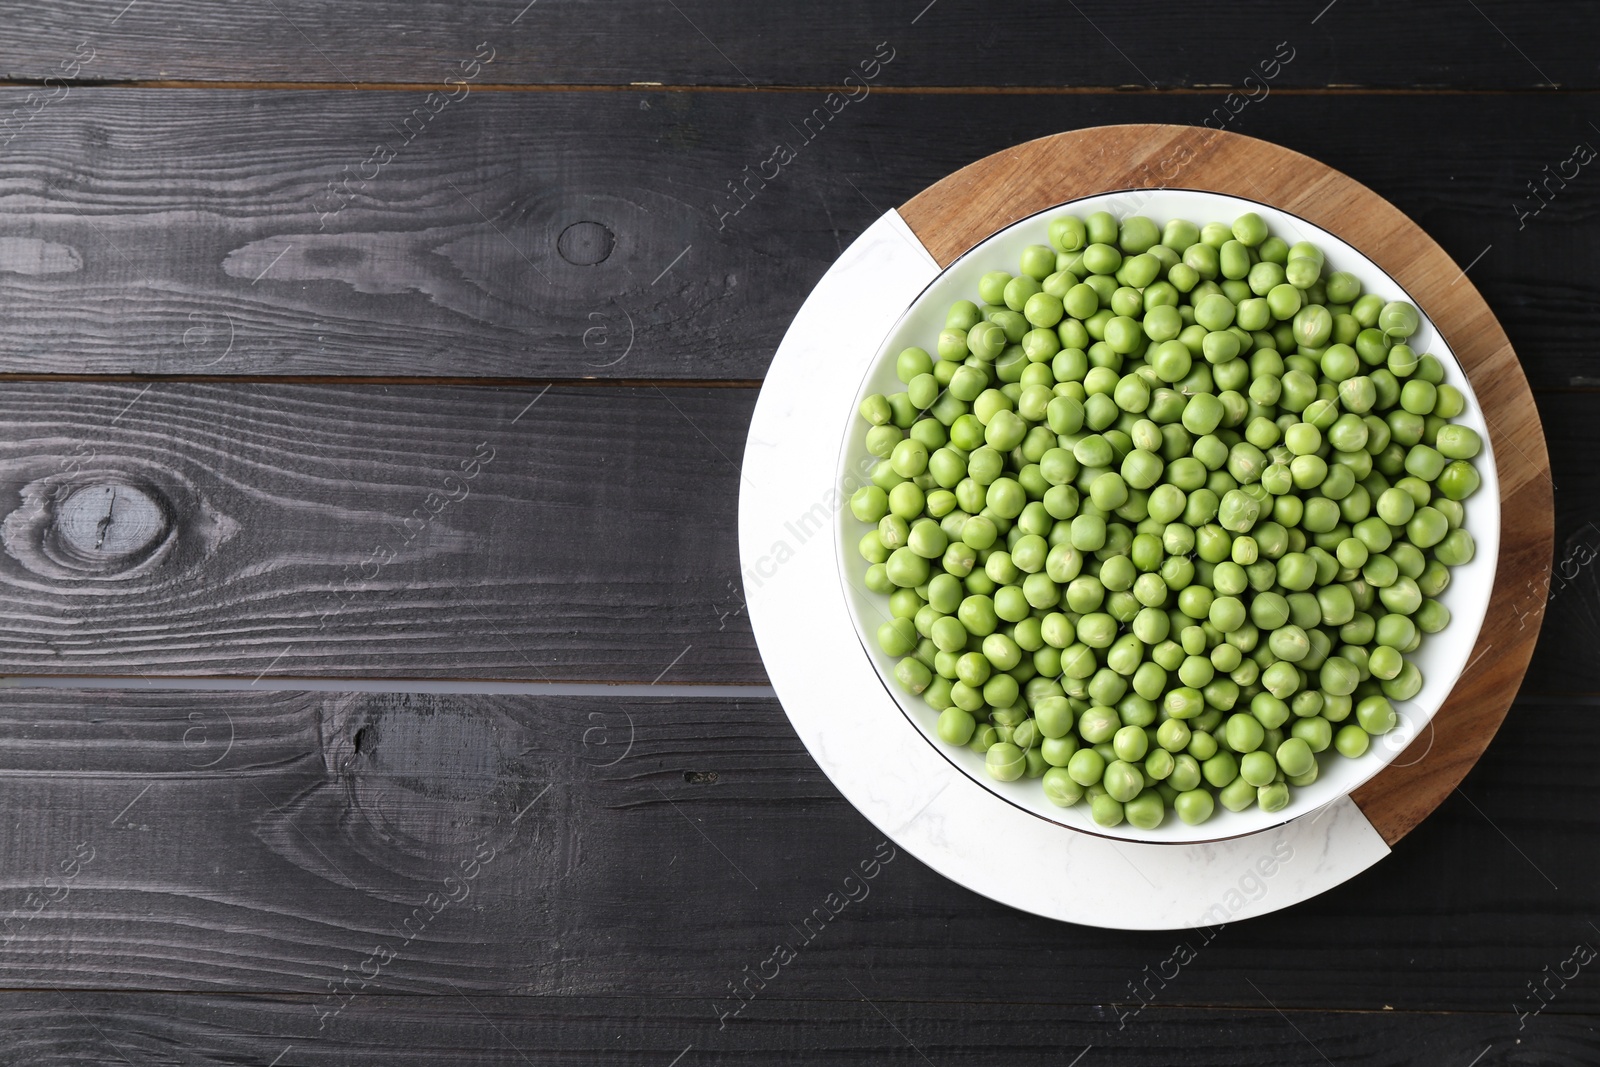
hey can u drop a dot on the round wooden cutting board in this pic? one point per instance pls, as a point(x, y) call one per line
point(952, 216)
point(872, 753)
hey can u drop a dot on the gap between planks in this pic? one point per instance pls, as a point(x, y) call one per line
point(494, 382)
point(491, 687)
point(379, 379)
point(485, 995)
point(468, 686)
point(1139, 89)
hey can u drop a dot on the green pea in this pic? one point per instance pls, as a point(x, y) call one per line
point(906, 568)
point(1244, 733)
point(1402, 362)
point(1352, 741)
point(876, 579)
point(1456, 548)
point(1249, 229)
point(1086, 767)
point(955, 726)
point(1220, 769)
point(1343, 287)
point(1315, 731)
point(1458, 442)
point(992, 286)
point(1298, 390)
point(1106, 811)
point(1058, 751)
point(1281, 679)
point(1295, 758)
point(1025, 735)
point(1337, 709)
point(937, 695)
point(904, 412)
point(1158, 764)
point(913, 362)
point(1406, 684)
point(1202, 259)
point(1257, 768)
point(897, 637)
point(1340, 363)
point(1019, 291)
point(1375, 715)
point(1270, 711)
point(927, 539)
point(1004, 762)
point(1398, 320)
point(1067, 233)
point(1418, 396)
point(1054, 716)
point(1203, 413)
point(1137, 272)
point(1194, 806)
point(909, 458)
point(1313, 325)
point(1458, 480)
point(1059, 788)
point(1238, 511)
point(882, 439)
point(1272, 797)
point(1101, 258)
point(906, 500)
point(1284, 301)
point(1146, 811)
point(1450, 402)
point(963, 315)
point(1427, 527)
point(869, 503)
point(1122, 781)
point(1366, 308)
point(973, 668)
point(984, 736)
point(1237, 795)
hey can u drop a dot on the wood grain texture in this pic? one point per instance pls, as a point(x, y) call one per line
point(727, 43)
point(956, 213)
point(257, 855)
point(205, 239)
point(653, 849)
point(598, 545)
point(633, 1031)
point(399, 531)
point(1563, 661)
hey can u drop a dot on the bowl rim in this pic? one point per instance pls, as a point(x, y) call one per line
point(1146, 196)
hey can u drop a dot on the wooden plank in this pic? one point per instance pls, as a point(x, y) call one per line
point(400, 531)
point(598, 545)
point(723, 42)
point(634, 1031)
point(256, 842)
point(213, 232)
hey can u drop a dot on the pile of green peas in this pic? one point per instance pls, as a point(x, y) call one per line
point(1161, 517)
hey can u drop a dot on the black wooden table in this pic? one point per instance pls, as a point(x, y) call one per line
point(361, 357)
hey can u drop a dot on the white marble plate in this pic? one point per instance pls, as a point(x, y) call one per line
point(789, 524)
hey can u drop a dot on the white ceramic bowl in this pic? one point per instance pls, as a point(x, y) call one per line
point(1441, 657)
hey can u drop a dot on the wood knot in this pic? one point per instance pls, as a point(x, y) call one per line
point(109, 523)
point(97, 527)
point(107, 527)
point(426, 776)
point(583, 244)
